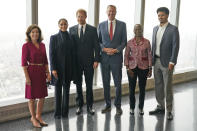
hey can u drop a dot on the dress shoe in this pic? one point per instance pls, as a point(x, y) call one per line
point(131, 111)
point(42, 123)
point(106, 109)
point(118, 111)
point(157, 111)
point(79, 110)
point(90, 111)
point(35, 123)
point(141, 112)
point(169, 116)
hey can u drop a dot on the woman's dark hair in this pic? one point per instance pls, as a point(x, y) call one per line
point(62, 19)
point(29, 29)
point(163, 9)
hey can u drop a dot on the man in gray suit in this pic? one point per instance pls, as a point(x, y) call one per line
point(112, 39)
point(165, 48)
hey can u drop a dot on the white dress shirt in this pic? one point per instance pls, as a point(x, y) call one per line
point(160, 33)
point(114, 25)
point(79, 29)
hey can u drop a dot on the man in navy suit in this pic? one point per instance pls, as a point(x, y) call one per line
point(165, 48)
point(112, 39)
point(88, 52)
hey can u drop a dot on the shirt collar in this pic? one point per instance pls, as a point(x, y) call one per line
point(84, 26)
point(141, 41)
point(113, 21)
point(165, 25)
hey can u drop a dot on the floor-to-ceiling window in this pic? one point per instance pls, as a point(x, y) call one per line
point(150, 18)
point(12, 37)
point(188, 35)
point(50, 11)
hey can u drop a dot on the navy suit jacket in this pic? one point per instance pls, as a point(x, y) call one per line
point(88, 50)
point(118, 41)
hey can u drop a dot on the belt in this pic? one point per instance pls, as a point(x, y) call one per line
point(36, 64)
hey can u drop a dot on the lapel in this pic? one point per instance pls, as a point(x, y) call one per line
point(106, 30)
point(155, 35)
point(115, 31)
point(76, 32)
point(165, 32)
point(86, 33)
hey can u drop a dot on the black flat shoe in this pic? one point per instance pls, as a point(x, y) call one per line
point(169, 116)
point(79, 110)
point(141, 112)
point(90, 111)
point(132, 112)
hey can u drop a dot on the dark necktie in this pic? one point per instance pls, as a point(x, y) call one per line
point(81, 33)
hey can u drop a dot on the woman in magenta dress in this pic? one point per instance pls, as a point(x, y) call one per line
point(35, 66)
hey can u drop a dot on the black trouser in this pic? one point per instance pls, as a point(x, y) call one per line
point(62, 101)
point(142, 76)
point(88, 73)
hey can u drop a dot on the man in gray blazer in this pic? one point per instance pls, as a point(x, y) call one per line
point(112, 38)
point(165, 48)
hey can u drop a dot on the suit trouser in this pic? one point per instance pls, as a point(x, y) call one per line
point(116, 69)
point(88, 73)
point(62, 102)
point(142, 76)
point(163, 85)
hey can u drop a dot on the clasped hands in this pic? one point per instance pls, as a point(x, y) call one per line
point(110, 51)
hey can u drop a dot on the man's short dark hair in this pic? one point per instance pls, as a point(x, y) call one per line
point(163, 9)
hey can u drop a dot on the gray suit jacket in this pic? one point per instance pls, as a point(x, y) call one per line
point(169, 46)
point(118, 42)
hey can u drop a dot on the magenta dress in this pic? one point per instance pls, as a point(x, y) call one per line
point(33, 55)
